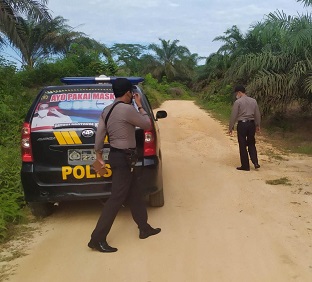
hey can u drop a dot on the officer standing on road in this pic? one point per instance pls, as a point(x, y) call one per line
point(246, 111)
point(121, 132)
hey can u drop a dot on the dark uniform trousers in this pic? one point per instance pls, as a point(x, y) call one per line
point(246, 139)
point(123, 190)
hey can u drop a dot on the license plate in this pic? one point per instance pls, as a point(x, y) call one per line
point(84, 156)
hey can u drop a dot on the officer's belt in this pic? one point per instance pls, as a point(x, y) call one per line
point(247, 120)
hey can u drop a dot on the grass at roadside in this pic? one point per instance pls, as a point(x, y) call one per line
point(274, 155)
point(279, 181)
point(157, 92)
point(15, 243)
point(218, 105)
point(294, 133)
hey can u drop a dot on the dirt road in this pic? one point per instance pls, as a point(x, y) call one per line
point(218, 224)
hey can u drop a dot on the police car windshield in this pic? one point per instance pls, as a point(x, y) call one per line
point(64, 108)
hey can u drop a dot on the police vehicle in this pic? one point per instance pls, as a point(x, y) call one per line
point(57, 143)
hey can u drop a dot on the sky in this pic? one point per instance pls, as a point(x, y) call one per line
point(195, 23)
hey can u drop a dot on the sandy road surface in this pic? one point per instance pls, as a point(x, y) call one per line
point(218, 224)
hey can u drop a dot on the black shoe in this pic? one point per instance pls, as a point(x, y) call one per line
point(257, 166)
point(102, 247)
point(150, 231)
point(242, 168)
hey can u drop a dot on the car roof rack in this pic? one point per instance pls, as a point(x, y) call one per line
point(99, 79)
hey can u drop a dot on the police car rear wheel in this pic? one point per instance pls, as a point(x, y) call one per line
point(157, 199)
point(41, 209)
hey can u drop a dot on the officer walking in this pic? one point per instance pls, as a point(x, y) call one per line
point(119, 121)
point(246, 112)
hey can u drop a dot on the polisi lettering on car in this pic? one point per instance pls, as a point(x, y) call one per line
point(81, 172)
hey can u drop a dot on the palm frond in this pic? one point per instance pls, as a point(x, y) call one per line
point(306, 2)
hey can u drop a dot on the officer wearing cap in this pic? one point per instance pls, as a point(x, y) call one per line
point(120, 127)
point(246, 112)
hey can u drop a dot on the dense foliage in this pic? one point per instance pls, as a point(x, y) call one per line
point(273, 60)
point(13, 102)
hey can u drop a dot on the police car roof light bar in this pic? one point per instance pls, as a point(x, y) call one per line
point(98, 79)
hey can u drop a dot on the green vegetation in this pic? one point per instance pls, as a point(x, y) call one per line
point(157, 92)
point(273, 155)
point(273, 60)
point(217, 100)
point(279, 181)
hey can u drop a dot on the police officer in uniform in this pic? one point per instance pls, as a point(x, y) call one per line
point(246, 112)
point(120, 128)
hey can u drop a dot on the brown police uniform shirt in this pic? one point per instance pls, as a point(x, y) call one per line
point(121, 126)
point(245, 108)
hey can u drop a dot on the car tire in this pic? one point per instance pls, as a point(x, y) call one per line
point(41, 209)
point(157, 199)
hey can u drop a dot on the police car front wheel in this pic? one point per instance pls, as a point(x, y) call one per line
point(39, 209)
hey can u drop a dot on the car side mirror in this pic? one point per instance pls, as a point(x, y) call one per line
point(161, 114)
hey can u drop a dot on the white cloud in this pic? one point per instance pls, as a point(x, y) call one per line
point(173, 4)
point(195, 23)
